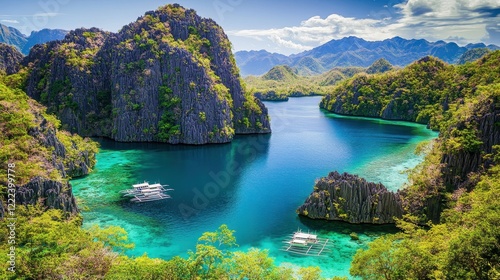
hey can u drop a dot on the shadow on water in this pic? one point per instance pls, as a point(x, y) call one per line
point(386, 127)
point(204, 178)
point(323, 226)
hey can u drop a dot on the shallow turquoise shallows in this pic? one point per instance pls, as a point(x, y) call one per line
point(253, 184)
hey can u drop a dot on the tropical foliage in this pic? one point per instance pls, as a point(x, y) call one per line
point(464, 245)
point(283, 81)
point(24, 127)
point(423, 92)
point(49, 245)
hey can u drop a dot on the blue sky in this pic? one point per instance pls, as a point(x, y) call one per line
point(281, 26)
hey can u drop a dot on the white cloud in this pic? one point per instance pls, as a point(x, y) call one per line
point(469, 20)
point(13, 21)
point(316, 30)
point(436, 20)
point(46, 14)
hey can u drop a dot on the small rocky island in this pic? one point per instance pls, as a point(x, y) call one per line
point(347, 197)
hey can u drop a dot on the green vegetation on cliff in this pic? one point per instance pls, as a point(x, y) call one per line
point(473, 54)
point(113, 84)
point(10, 58)
point(449, 212)
point(51, 242)
point(379, 66)
point(461, 174)
point(464, 246)
point(422, 92)
point(31, 138)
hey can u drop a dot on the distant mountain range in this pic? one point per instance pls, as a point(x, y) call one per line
point(12, 36)
point(353, 51)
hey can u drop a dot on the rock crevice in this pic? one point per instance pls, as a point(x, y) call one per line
point(49, 193)
point(349, 198)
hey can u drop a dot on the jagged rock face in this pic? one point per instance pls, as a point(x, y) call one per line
point(168, 77)
point(460, 165)
point(49, 193)
point(349, 198)
point(10, 59)
point(65, 78)
point(47, 157)
point(77, 166)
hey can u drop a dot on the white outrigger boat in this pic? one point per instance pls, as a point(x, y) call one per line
point(307, 244)
point(145, 192)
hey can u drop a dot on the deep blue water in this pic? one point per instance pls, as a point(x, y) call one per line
point(253, 184)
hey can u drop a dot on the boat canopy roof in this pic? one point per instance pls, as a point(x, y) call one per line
point(302, 235)
point(299, 241)
point(150, 190)
point(145, 184)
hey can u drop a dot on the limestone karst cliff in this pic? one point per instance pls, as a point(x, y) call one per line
point(349, 198)
point(39, 155)
point(169, 77)
point(49, 193)
point(470, 140)
point(10, 59)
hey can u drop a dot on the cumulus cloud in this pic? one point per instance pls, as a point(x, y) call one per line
point(468, 20)
point(434, 20)
point(316, 30)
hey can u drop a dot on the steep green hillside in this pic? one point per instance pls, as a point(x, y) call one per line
point(281, 73)
point(379, 66)
point(421, 92)
point(464, 170)
point(460, 173)
point(43, 157)
point(472, 55)
point(283, 81)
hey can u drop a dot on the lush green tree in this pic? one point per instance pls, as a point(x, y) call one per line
point(254, 264)
point(376, 262)
point(464, 246)
point(48, 243)
point(310, 273)
point(211, 251)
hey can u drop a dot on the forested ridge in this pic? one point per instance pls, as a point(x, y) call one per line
point(283, 81)
point(461, 169)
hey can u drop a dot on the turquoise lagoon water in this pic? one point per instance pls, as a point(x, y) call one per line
point(253, 184)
